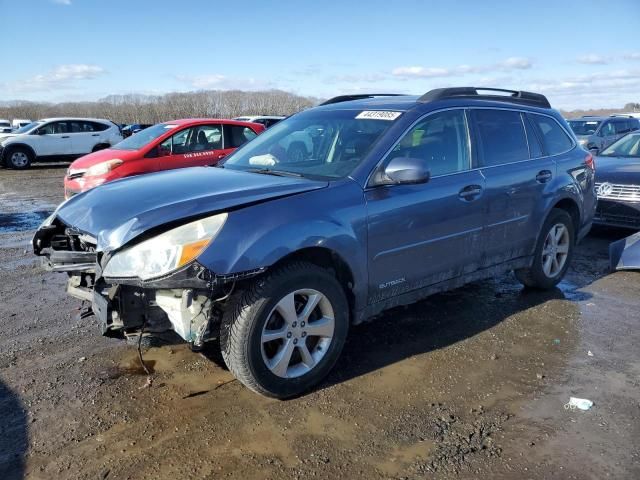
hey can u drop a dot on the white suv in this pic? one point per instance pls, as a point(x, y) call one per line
point(5, 126)
point(53, 139)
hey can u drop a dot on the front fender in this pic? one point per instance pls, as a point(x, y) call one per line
point(259, 236)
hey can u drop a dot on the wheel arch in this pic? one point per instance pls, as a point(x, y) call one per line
point(326, 258)
point(26, 146)
point(570, 206)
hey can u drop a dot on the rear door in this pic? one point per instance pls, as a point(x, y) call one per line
point(235, 136)
point(52, 138)
point(419, 235)
point(83, 137)
point(607, 134)
point(510, 158)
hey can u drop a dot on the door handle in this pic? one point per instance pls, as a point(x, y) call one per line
point(470, 192)
point(65, 136)
point(544, 176)
point(95, 134)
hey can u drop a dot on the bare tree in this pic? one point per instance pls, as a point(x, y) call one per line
point(136, 108)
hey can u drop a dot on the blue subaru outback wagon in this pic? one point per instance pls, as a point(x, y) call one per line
point(333, 215)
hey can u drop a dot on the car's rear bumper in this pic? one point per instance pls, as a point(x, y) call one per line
point(618, 214)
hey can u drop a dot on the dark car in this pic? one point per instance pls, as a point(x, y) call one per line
point(597, 133)
point(276, 255)
point(618, 184)
point(129, 130)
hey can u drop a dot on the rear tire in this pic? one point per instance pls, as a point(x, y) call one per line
point(282, 352)
point(553, 253)
point(18, 158)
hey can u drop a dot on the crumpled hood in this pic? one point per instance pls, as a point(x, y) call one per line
point(119, 211)
point(618, 170)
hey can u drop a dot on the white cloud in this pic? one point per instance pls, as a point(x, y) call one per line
point(511, 63)
point(60, 77)
point(216, 81)
point(602, 89)
point(421, 72)
point(515, 63)
point(62, 2)
point(632, 56)
point(593, 59)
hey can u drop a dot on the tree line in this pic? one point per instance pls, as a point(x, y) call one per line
point(135, 108)
point(153, 109)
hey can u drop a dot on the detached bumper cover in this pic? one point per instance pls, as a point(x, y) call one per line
point(625, 254)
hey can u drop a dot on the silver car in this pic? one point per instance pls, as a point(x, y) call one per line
point(597, 133)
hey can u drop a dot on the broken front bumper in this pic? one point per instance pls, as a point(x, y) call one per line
point(183, 301)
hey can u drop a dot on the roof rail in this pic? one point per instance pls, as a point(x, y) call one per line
point(347, 98)
point(625, 115)
point(516, 96)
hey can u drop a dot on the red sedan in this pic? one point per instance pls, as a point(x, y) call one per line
point(175, 144)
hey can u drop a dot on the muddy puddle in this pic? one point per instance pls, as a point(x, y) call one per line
point(20, 222)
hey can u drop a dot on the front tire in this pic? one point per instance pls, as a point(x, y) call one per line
point(18, 158)
point(282, 334)
point(553, 253)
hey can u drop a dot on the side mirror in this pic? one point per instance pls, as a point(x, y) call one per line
point(405, 170)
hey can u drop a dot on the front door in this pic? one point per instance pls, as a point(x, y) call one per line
point(52, 139)
point(419, 235)
point(191, 147)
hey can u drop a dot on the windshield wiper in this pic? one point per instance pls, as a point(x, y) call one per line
point(277, 173)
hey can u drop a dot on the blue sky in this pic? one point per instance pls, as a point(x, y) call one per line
point(582, 54)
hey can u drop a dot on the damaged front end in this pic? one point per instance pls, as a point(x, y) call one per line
point(187, 300)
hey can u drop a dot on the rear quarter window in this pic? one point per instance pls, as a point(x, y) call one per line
point(554, 139)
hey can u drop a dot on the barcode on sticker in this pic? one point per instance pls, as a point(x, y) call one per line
point(378, 115)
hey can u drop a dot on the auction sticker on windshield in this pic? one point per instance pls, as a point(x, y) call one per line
point(378, 115)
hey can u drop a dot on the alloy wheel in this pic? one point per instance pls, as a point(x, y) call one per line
point(556, 250)
point(19, 159)
point(297, 333)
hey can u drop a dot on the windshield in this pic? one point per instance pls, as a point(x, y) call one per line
point(28, 127)
point(584, 127)
point(628, 146)
point(144, 137)
point(316, 144)
point(5, 124)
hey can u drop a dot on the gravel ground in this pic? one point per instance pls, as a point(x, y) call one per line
point(466, 384)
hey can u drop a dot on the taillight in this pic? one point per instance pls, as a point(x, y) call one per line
point(590, 162)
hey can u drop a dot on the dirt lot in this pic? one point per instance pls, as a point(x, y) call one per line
point(466, 384)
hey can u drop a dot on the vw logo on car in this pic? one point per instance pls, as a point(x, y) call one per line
point(605, 189)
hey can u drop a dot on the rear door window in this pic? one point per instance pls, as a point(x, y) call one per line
point(555, 140)
point(236, 135)
point(501, 137)
point(607, 130)
point(621, 127)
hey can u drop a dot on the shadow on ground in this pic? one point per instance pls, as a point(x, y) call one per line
point(13, 435)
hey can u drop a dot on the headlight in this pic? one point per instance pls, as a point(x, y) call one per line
point(166, 252)
point(103, 167)
point(583, 141)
